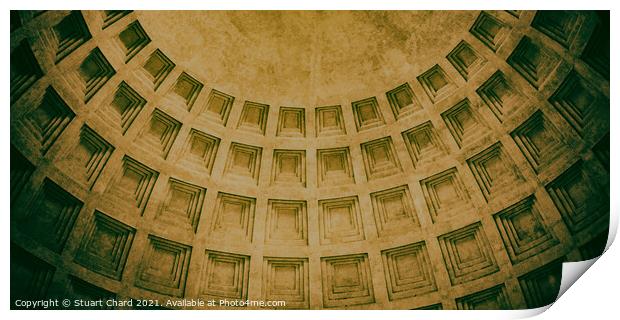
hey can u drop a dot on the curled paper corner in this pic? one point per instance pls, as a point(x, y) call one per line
point(572, 271)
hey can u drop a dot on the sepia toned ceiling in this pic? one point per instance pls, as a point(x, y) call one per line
point(329, 160)
point(306, 57)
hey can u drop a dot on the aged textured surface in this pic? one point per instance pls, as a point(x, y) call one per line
point(348, 160)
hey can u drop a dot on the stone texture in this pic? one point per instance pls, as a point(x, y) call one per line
point(344, 160)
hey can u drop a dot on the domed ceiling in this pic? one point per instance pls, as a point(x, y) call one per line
point(306, 57)
point(306, 159)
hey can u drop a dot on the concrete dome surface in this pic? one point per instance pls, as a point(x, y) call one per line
point(306, 159)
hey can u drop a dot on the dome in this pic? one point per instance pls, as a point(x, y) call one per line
point(318, 159)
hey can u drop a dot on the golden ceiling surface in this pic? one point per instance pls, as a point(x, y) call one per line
point(307, 159)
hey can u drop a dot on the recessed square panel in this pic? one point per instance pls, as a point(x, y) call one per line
point(334, 167)
point(133, 39)
point(340, 220)
point(583, 106)
point(533, 61)
point(157, 67)
point(494, 171)
point(218, 107)
point(87, 159)
point(233, 217)
point(559, 25)
point(494, 298)
point(467, 254)
point(403, 101)
point(71, 32)
point(287, 222)
point(30, 277)
point(490, 30)
point(578, 198)
point(94, 72)
point(500, 96)
point(329, 121)
point(436, 83)
point(542, 286)
point(380, 158)
point(186, 90)
point(287, 279)
point(464, 123)
point(44, 124)
point(539, 140)
point(423, 144)
point(50, 218)
point(104, 247)
point(243, 162)
point(523, 230)
point(596, 54)
point(112, 16)
point(394, 211)
point(408, 271)
point(225, 276)
point(21, 172)
point(346, 280)
point(164, 267)
point(367, 114)
point(159, 133)
point(132, 186)
point(201, 149)
point(466, 60)
point(445, 195)
point(291, 122)
point(253, 117)
point(123, 108)
point(289, 168)
point(183, 204)
point(25, 70)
